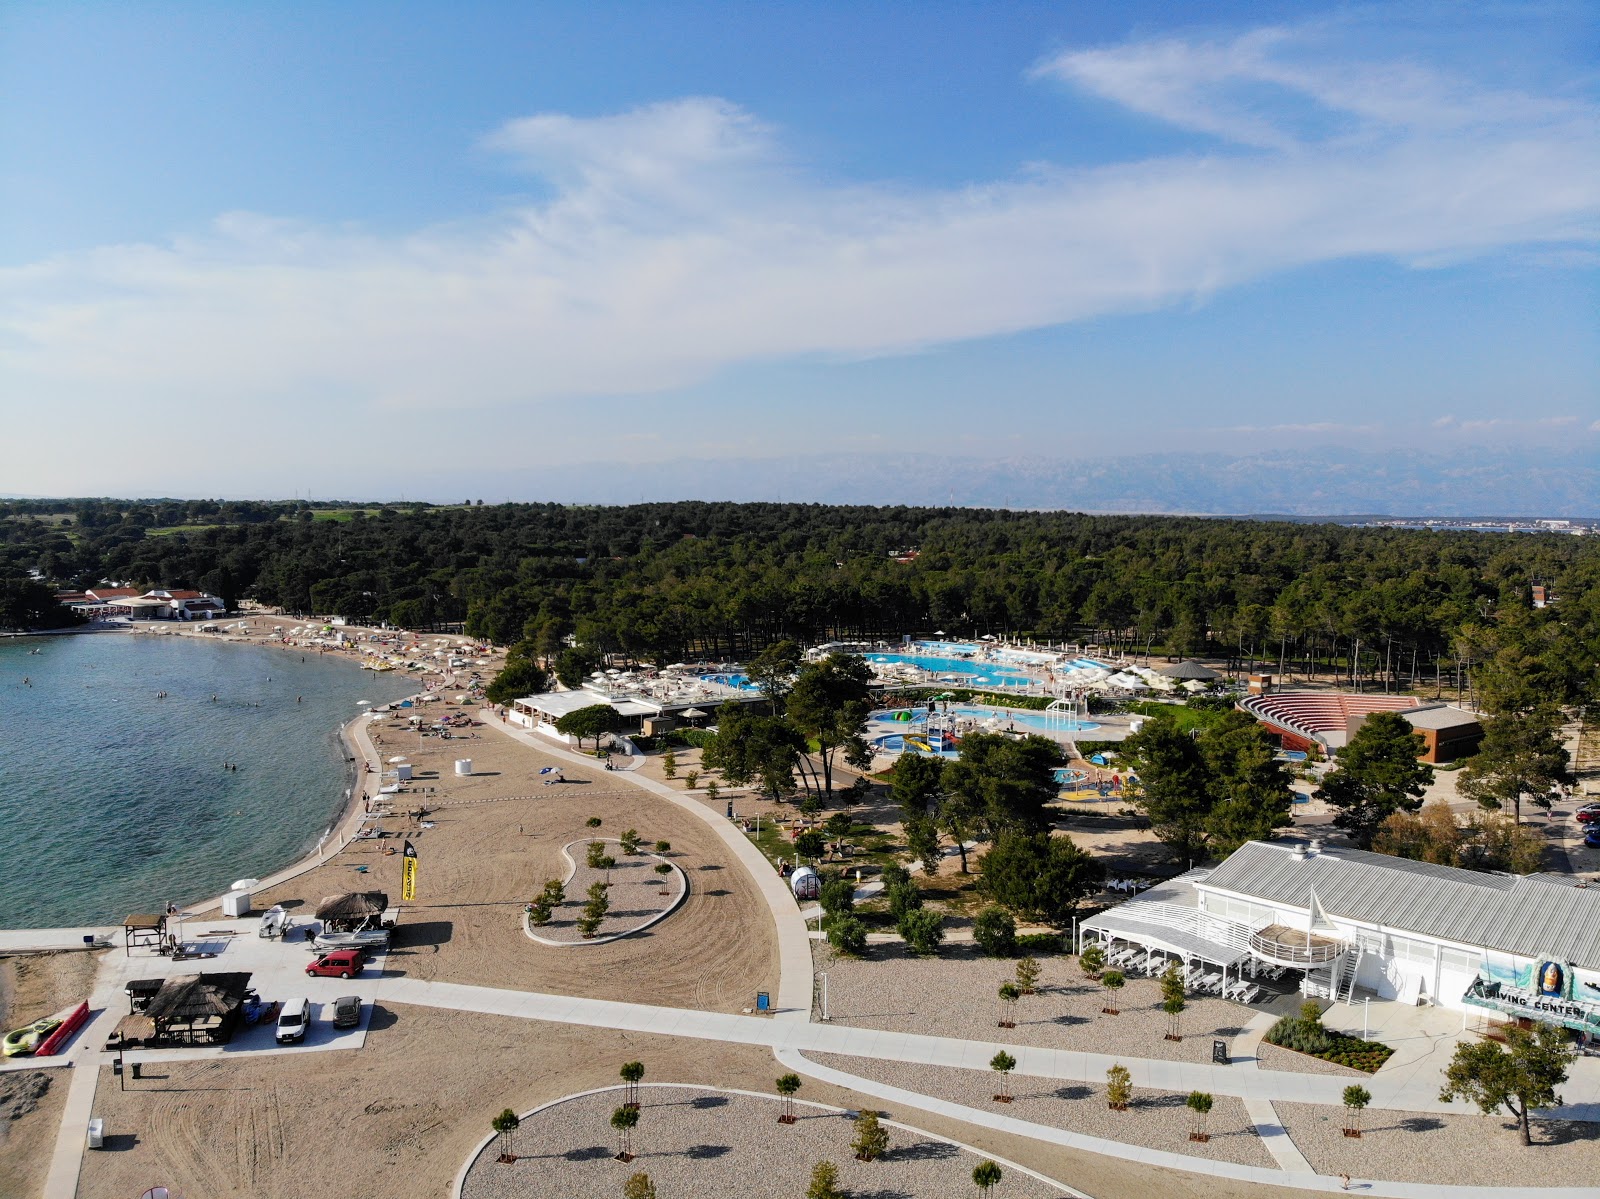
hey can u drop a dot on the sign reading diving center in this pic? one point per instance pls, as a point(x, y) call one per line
point(408, 873)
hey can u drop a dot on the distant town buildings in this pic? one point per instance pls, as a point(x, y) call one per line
point(100, 603)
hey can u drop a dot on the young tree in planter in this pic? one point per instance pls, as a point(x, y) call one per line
point(986, 1175)
point(1199, 1102)
point(663, 870)
point(787, 1085)
point(1003, 1064)
point(872, 1138)
point(1028, 976)
point(1522, 1076)
point(663, 846)
point(1112, 981)
point(713, 792)
point(824, 1182)
point(630, 841)
point(506, 1124)
point(639, 1186)
point(995, 932)
point(1092, 960)
point(596, 854)
point(608, 864)
point(1172, 1000)
point(923, 932)
point(1119, 1088)
point(1356, 1098)
point(669, 764)
point(1009, 994)
point(625, 1120)
point(593, 822)
point(631, 1074)
point(691, 780)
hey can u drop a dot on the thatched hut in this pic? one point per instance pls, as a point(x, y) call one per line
point(353, 911)
point(1189, 670)
point(198, 1009)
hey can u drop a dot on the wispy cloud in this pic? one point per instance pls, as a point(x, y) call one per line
point(678, 239)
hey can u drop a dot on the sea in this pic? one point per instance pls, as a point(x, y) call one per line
point(113, 800)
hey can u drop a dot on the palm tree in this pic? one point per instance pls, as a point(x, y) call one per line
point(1003, 1064)
point(986, 1174)
point(625, 1120)
point(506, 1124)
point(630, 1074)
point(787, 1085)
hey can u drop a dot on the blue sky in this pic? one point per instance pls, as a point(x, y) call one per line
point(374, 234)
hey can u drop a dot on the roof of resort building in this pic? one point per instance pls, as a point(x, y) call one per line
point(1445, 717)
point(110, 593)
point(185, 997)
point(1525, 916)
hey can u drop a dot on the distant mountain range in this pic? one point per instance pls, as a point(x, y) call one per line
point(1319, 482)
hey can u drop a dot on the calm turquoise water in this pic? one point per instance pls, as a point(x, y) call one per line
point(114, 801)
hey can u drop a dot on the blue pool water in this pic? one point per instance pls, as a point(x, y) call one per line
point(946, 647)
point(1032, 721)
point(993, 673)
point(740, 682)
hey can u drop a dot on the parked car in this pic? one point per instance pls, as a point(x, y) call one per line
point(347, 1011)
point(339, 963)
point(292, 1021)
point(1589, 813)
point(1592, 838)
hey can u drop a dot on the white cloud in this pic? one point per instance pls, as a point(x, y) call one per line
point(677, 240)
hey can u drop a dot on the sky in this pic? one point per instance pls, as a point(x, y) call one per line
point(291, 249)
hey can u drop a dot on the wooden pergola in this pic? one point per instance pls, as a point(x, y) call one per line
point(198, 1009)
point(143, 928)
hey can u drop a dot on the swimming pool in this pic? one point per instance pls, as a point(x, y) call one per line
point(946, 647)
point(739, 682)
point(995, 674)
point(1039, 722)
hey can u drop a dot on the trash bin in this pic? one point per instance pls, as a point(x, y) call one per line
point(97, 1133)
point(463, 767)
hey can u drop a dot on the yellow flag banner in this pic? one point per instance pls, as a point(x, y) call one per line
point(408, 873)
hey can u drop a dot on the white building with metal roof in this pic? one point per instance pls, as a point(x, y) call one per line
point(1526, 947)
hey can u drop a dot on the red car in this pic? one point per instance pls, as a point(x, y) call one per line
point(338, 963)
point(1588, 813)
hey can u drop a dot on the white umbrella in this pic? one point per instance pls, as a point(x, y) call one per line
point(246, 884)
point(398, 758)
point(364, 702)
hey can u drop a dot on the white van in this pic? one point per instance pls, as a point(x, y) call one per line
point(293, 1020)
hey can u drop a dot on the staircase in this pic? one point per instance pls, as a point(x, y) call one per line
point(1345, 981)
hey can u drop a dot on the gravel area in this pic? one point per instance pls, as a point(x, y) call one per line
point(712, 1145)
point(1154, 1119)
point(636, 893)
point(1275, 1057)
point(1465, 1150)
point(954, 995)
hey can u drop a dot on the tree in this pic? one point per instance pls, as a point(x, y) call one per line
point(837, 897)
point(773, 670)
point(1010, 993)
point(663, 847)
point(1378, 774)
point(1521, 755)
point(847, 935)
point(521, 676)
point(923, 931)
point(1112, 980)
point(631, 1074)
point(669, 765)
point(1356, 1098)
point(824, 1182)
point(506, 1124)
point(986, 1175)
point(751, 748)
point(1006, 783)
point(1172, 999)
point(917, 785)
point(1172, 790)
point(624, 1120)
point(1028, 975)
point(872, 1138)
point(1428, 835)
point(995, 932)
point(639, 1186)
point(787, 1085)
point(1040, 875)
point(1200, 1103)
point(922, 840)
point(811, 845)
point(630, 841)
point(903, 897)
point(691, 780)
point(1519, 1077)
point(595, 721)
point(1092, 960)
point(829, 705)
point(1119, 1088)
point(546, 902)
point(596, 851)
point(1003, 1064)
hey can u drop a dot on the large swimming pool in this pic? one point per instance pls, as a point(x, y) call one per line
point(995, 674)
point(1035, 722)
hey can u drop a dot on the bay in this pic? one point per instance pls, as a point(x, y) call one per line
point(113, 800)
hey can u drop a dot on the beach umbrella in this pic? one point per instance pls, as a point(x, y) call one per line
point(365, 703)
point(246, 884)
point(398, 758)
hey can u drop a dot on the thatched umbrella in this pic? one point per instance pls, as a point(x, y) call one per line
point(352, 907)
point(1189, 669)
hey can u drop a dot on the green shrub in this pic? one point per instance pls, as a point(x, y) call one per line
point(848, 935)
point(903, 898)
point(995, 932)
point(923, 931)
point(697, 738)
point(1034, 944)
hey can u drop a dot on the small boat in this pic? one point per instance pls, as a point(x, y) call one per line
point(371, 939)
point(26, 1040)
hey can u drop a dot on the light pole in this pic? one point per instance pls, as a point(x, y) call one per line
point(823, 979)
